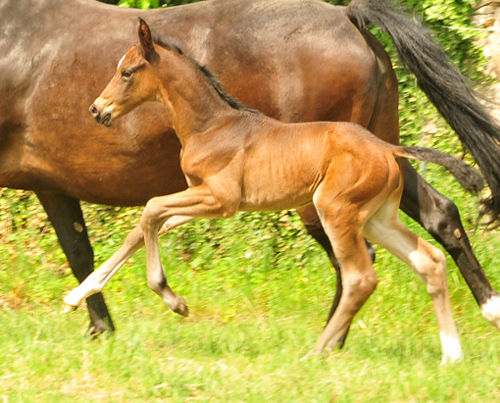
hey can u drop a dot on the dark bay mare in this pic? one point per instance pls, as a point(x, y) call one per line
point(237, 159)
point(294, 60)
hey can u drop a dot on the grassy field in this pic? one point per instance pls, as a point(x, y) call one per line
point(259, 291)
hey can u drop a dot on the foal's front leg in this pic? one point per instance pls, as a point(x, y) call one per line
point(194, 202)
point(96, 281)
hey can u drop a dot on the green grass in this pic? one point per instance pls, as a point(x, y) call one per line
point(259, 290)
point(258, 299)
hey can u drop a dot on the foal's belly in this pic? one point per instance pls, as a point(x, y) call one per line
point(273, 200)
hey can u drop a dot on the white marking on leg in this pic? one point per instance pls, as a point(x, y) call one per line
point(491, 311)
point(96, 281)
point(452, 351)
point(84, 290)
point(430, 265)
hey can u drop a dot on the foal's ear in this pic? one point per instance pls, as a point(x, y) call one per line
point(146, 46)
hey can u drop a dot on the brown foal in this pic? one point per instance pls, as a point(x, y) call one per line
point(235, 158)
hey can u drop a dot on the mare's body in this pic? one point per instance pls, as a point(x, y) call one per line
point(294, 60)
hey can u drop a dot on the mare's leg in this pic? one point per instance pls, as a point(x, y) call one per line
point(440, 217)
point(96, 281)
point(194, 202)
point(66, 216)
point(385, 229)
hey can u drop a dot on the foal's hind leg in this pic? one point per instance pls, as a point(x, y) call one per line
point(311, 221)
point(358, 277)
point(310, 218)
point(385, 229)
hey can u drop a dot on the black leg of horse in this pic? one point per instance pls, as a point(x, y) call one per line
point(440, 217)
point(66, 216)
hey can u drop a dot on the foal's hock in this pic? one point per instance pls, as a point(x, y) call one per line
point(235, 158)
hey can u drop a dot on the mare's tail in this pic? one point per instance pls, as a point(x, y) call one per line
point(467, 176)
point(444, 85)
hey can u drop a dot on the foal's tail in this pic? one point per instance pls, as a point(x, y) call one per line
point(470, 179)
point(444, 85)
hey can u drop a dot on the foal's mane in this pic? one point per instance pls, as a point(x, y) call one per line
point(172, 45)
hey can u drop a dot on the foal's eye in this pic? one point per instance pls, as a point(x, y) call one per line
point(126, 73)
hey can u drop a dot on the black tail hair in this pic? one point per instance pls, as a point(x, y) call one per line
point(444, 85)
point(468, 177)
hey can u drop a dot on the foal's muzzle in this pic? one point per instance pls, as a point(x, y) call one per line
point(101, 117)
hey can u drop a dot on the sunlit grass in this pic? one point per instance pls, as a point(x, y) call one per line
point(259, 290)
point(257, 306)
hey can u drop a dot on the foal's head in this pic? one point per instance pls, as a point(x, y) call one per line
point(134, 82)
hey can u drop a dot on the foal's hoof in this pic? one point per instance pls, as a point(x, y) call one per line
point(66, 308)
point(308, 356)
point(314, 355)
point(454, 359)
point(181, 307)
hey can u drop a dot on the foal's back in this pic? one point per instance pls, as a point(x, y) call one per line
point(286, 163)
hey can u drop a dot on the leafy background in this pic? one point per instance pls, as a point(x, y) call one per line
point(450, 21)
point(259, 290)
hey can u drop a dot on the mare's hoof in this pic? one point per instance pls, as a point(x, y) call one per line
point(66, 308)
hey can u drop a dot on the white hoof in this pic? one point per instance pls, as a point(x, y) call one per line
point(66, 308)
point(452, 351)
point(491, 311)
point(446, 359)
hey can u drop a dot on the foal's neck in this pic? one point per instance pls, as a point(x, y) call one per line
point(194, 105)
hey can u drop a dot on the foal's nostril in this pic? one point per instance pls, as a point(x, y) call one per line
point(94, 111)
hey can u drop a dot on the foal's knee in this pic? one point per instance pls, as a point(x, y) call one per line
point(151, 215)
